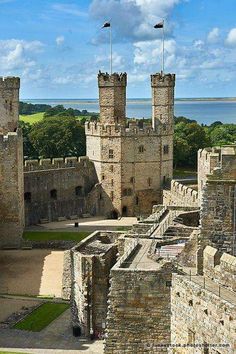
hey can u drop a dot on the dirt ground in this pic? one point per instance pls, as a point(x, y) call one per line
point(9, 306)
point(31, 272)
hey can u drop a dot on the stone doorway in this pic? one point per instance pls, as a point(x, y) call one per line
point(124, 211)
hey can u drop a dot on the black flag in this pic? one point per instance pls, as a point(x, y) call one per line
point(159, 25)
point(106, 24)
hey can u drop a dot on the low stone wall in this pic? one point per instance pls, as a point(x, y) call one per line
point(181, 195)
point(67, 275)
point(220, 268)
point(200, 317)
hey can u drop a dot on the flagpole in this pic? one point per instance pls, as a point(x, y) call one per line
point(163, 47)
point(111, 49)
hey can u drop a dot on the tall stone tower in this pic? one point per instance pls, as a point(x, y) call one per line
point(132, 162)
point(11, 165)
point(163, 119)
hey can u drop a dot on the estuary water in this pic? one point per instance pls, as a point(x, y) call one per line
point(204, 112)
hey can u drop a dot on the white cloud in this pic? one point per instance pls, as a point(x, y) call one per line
point(138, 17)
point(70, 9)
point(117, 60)
point(213, 35)
point(16, 54)
point(231, 38)
point(149, 52)
point(60, 40)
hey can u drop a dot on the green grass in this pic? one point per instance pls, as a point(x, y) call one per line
point(41, 317)
point(55, 235)
point(32, 118)
point(123, 228)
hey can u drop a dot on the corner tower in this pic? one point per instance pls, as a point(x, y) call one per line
point(112, 98)
point(163, 86)
point(11, 165)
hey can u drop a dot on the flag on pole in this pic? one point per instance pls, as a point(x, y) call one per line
point(159, 25)
point(106, 24)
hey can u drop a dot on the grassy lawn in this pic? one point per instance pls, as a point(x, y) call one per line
point(55, 235)
point(123, 228)
point(32, 118)
point(41, 317)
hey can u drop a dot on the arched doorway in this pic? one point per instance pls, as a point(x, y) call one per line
point(124, 211)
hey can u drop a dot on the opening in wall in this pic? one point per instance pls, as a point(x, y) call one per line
point(53, 194)
point(79, 191)
point(27, 197)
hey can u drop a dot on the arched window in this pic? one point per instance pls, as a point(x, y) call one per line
point(53, 194)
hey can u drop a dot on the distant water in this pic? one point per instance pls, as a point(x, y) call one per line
point(205, 112)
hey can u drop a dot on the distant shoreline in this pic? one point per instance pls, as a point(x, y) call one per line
point(130, 100)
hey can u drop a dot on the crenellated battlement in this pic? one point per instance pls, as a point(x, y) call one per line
point(9, 82)
point(162, 80)
point(115, 79)
point(55, 163)
point(99, 129)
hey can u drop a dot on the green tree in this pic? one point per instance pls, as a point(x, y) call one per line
point(28, 148)
point(223, 134)
point(58, 137)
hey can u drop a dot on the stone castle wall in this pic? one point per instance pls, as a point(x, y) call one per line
point(218, 204)
point(180, 195)
point(58, 188)
point(92, 260)
point(138, 319)
point(201, 311)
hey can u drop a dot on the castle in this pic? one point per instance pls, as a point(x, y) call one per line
point(166, 286)
point(123, 174)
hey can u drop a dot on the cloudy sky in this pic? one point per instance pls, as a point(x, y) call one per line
point(57, 47)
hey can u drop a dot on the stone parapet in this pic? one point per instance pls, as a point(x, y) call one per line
point(111, 80)
point(9, 82)
point(162, 80)
point(180, 195)
point(55, 163)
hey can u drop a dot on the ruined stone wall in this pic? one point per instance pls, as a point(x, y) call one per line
point(92, 260)
point(138, 319)
point(200, 317)
point(180, 195)
point(71, 180)
point(11, 189)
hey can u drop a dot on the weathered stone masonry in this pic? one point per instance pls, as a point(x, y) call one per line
point(11, 165)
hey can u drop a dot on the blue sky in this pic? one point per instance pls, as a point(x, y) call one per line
point(57, 47)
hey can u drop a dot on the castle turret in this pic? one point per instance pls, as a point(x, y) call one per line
point(112, 98)
point(11, 165)
point(163, 120)
point(9, 104)
point(163, 102)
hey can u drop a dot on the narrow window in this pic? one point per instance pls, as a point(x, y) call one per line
point(79, 191)
point(112, 182)
point(53, 194)
point(137, 201)
point(112, 168)
point(191, 337)
point(141, 149)
point(112, 195)
point(27, 197)
point(206, 348)
point(166, 149)
point(103, 177)
point(168, 283)
point(164, 126)
point(149, 181)
point(111, 154)
point(132, 180)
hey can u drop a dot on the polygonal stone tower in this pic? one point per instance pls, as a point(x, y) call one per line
point(163, 86)
point(132, 162)
point(9, 104)
point(11, 165)
point(112, 98)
